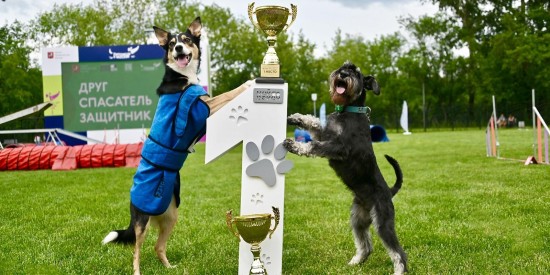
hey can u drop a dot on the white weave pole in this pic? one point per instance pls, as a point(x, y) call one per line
point(534, 122)
point(496, 126)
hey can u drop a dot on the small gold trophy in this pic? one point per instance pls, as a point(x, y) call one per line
point(253, 229)
point(271, 20)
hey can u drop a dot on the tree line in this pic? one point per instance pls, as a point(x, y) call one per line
point(507, 45)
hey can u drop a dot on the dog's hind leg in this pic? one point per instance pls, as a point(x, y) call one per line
point(166, 223)
point(140, 228)
point(384, 223)
point(360, 223)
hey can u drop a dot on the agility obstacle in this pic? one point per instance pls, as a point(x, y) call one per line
point(56, 157)
point(491, 134)
point(541, 135)
point(540, 140)
point(490, 138)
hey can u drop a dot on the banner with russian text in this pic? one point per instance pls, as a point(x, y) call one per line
point(110, 95)
point(105, 91)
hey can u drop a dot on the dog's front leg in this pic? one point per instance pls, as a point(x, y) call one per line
point(219, 101)
point(308, 122)
point(298, 148)
point(324, 149)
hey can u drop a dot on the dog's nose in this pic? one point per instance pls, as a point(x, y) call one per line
point(344, 74)
point(178, 48)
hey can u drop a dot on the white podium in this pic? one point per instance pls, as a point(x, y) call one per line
point(257, 117)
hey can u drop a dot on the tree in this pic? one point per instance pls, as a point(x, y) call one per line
point(21, 83)
point(470, 15)
point(507, 42)
point(443, 73)
point(517, 59)
point(101, 23)
point(236, 48)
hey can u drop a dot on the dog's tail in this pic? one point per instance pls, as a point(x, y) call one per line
point(127, 236)
point(121, 236)
point(398, 175)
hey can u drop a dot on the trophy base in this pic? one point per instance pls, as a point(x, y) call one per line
point(257, 269)
point(270, 70)
point(270, 80)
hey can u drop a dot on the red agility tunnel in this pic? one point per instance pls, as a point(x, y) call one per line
point(119, 155)
point(29, 157)
point(133, 154)
point(69, 158)
point(34, 158)
point(4, 159)
point(65, 160)
point(44, 159)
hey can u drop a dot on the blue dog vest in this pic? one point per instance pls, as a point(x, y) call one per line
point(179, 121)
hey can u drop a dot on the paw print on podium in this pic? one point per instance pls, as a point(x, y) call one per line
point(266, 259)
point(257, 198)
point(265, 168)
point(239, 115)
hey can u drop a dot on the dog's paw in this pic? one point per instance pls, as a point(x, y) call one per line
point(307, 122)
point(357, 259)
point(288, 144)
point(298, 148)
point(294, 119)
point(265, 168)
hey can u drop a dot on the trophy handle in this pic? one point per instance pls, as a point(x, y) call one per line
point(294, 9)
point(277, 218)
point(229, 221)
point(250, 15)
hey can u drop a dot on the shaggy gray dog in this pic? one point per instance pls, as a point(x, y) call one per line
point(346, 142)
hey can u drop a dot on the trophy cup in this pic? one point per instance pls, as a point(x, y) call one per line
point(271, 20)
point(253, 229)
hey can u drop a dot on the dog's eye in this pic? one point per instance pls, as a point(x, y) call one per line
point(187, 40)
point(172, 43)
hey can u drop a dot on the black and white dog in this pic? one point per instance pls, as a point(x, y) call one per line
point(180, 119)
point(346, 142)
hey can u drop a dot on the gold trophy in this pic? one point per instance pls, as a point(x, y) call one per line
point(253, 229)
point(271, 20)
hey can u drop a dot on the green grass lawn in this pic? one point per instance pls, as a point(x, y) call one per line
point(458, 212)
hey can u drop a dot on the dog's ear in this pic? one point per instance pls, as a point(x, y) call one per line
point(370, 84)
point(196, 27)
point(162, 36)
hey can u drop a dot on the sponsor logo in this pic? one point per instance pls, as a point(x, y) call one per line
point(75, 68)
point(150, 68)
point(129, 54)
point(50, 55)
